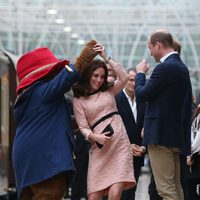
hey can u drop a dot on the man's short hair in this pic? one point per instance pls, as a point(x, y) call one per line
point(163, 37)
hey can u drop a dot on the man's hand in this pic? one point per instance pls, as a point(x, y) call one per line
point(189, 160)
point(137, 150)
point(142, 67)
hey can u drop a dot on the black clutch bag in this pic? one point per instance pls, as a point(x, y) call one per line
point(109, 129)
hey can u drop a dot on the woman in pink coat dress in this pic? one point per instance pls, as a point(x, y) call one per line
point(110, 169)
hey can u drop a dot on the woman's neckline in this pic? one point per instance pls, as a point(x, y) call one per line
point(94, 92)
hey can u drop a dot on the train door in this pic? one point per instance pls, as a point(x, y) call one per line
point(7, 123)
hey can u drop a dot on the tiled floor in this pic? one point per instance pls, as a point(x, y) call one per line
point(141, 193)
point(142, 188)
point(3, 184)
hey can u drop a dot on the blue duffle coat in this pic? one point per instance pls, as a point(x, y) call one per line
point(43, 144)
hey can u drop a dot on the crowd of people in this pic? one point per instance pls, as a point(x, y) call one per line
point(95, 141)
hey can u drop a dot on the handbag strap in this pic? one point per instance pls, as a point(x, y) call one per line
point(104, 118)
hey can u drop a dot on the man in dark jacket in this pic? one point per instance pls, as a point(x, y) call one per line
point(167, 120)
point(132, 113)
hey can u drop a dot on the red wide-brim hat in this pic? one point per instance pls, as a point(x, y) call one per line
point(35, 65)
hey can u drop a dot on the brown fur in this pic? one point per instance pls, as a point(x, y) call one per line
point(86, 56)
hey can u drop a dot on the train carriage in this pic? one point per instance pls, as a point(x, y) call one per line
point(8, 82)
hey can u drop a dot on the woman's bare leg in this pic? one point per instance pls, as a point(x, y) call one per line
point(115, 191)
point(95, 196)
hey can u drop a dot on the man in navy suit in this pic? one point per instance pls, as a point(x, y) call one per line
point(132, 114)
point(167, 119)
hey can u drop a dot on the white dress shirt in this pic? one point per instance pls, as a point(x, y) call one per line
point(195, 134)
point(132, 104)
point(167, 55)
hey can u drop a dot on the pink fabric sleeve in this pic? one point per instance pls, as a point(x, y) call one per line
point(120, 83)
point(81, 119)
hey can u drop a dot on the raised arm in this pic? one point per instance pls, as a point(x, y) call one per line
point(116, 66)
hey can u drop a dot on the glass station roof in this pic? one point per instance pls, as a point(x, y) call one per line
point(123, 26)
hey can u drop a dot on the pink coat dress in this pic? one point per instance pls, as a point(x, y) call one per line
point(114, 162)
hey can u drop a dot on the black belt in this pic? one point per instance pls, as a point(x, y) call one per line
point(104, 118)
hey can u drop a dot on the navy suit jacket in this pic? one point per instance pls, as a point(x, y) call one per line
point(133, 128)
point(169, 98)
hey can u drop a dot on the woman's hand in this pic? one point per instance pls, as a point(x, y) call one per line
point(102, 139)
point(101, 50)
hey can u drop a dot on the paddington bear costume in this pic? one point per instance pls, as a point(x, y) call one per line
point(44, 139)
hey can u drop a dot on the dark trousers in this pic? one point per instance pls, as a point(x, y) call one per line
point(79, 183)
point(184, 176)
point(193, 189)
point(194, 178)
point(153, 194)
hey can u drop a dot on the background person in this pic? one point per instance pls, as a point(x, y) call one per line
point(78, 187)
point(194, 159)
point(132, 113)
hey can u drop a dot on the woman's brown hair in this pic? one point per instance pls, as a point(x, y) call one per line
point(82, 88)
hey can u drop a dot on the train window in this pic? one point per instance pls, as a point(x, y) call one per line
point(4, 125)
